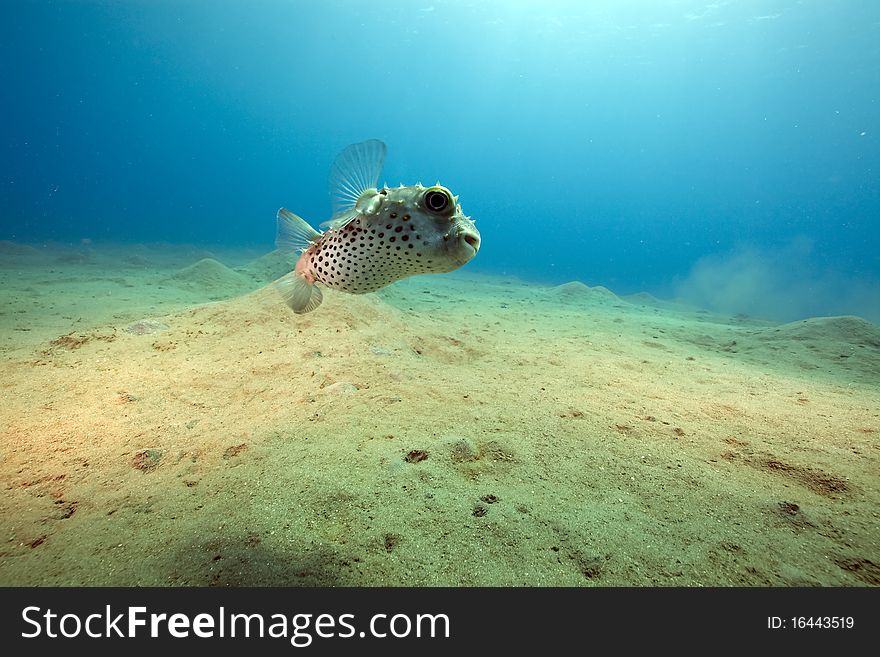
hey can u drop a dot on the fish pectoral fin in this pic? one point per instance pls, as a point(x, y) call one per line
point(294, 233)
point(355, 170)
point(340, 220)
point(302, 296)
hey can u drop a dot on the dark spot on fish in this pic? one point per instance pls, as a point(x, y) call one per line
point(393, 215)
point(406, 217)
point(405, 238)
point(392, 238)
point(381, 234)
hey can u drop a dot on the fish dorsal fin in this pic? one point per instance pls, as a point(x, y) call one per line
point(294, 234)
point(355, 170)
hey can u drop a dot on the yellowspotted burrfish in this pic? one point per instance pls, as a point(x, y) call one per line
point(375, 236)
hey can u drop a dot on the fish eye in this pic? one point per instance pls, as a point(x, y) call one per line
point(437, 199)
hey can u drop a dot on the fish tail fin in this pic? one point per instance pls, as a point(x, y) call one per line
point(294, 233)
point(302, 296)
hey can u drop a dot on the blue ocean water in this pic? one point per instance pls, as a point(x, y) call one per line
point(725, 152)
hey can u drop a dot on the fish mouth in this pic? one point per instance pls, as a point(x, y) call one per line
point(469, 242)
point(473, 241)
point(465, 252)
point(463, 246)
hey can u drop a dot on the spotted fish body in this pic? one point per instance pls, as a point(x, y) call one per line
point(378, 236)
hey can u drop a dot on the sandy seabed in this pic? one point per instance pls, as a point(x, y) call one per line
point(166, 420)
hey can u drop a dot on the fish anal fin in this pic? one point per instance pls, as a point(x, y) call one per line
point(300, 295)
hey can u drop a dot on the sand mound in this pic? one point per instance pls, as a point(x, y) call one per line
point(75, 257)
point(644, 299)
point(209, 274)
point(10, 249)
point(136, 260)
point(827, 346)
point(848, 330)
point(267, 268)
point(575, 290)
point(201, 254)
